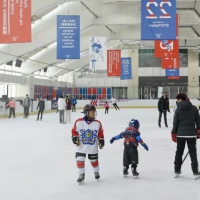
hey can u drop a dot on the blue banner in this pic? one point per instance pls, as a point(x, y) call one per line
point(68, 37)
point(158, 20)
point(54, 104)
point(172, 72)
point(126, 68)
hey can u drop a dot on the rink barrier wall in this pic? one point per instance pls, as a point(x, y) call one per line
point(98, 103)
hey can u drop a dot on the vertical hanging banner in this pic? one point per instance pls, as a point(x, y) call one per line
point(158, 19)
point(170, 63)
point(168, 48)
point(15, 23)
point(126, 68)
point(68, 37)
point(114, 63)
point(97, 53)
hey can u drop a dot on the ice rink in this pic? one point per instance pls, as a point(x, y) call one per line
point(37, 161)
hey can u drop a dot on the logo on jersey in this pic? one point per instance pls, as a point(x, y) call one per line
point(88, 137)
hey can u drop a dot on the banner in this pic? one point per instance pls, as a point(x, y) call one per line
point(173, 77)
point(172, 72)
point(15, 21)
point(168, 48)
point(54, 104)
point(68, 37)
point(126, 68)
point(170, 63)
point(158, 19)
point(98, 53)
point(113, 62)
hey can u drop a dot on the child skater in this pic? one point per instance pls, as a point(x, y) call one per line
point(106, 107)
point(131, 137)
point(87, 135)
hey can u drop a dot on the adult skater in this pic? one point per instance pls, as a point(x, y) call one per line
point(12, 105)
point(114, 102)
point(68, 109)
point(131, 137)
point(87, 135)
point(41, 106)
point(186, 117)
point(163, 107)
point(106, 105)
point(74, 102)
point(26, 105)
point(61, 108)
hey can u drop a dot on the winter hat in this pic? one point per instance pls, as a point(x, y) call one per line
point(182, 96)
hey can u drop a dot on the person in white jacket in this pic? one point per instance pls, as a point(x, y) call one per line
point(61, 108)
point(114, 102)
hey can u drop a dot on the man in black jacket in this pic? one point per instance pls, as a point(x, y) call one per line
point(41, 106)
point(163, 107)
point(186, 118)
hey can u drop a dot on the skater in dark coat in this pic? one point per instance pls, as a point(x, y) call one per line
point(131, 139)
point(186, 129)
point(163, 107)
point(41, 106)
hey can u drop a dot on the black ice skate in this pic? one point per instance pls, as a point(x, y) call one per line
point(81, 178)
point(135, 173)
point(196, 175)
point(97, 176)
point(125, 171)
point(177, 174)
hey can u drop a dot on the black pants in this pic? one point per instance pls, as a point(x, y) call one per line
point(116, 106)
point(191, 143)
point(160, 117)
point(74, 107)
point(12, 111)
point(26, 111)
point(40, 111)
point(130, 156)
point(106, 110)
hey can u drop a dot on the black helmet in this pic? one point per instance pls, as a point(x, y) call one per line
point(87, 108)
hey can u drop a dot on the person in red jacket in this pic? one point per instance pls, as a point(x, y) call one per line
point(106, 107)
point(68, 109)
point(12, 105)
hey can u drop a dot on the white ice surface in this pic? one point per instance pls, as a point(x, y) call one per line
point(37, 161)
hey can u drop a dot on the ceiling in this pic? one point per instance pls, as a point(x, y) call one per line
point(119, 21)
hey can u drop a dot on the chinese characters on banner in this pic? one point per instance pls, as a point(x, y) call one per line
point(170, 63)
point(158, 19)
point(168, 48)
point(113, 62)
point(97, 53)
point(172, 72)
point(126, 68)
point(68, 37)
point(15, 23)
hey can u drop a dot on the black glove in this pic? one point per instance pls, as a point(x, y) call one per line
point(75, 140)
point(101, 143)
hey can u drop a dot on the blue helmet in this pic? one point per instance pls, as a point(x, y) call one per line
point(135, 123)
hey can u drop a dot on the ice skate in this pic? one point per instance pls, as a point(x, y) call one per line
point(97, 176)
point(37, 119)
point(177, 174)
point(196, 175)
point(125, 172)
point(81, 178)
point(135, 173)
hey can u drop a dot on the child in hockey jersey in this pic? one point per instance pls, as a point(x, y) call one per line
point(106, 107)
point(87, 135)
point(131, 137)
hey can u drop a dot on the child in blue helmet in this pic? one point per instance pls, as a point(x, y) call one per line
point(131, 137)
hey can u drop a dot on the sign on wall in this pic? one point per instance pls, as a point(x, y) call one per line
point(68, 37)
point(126, 68)
point(158, 19)
point(97, 53)
point(170, 63)
point(113, 62)
point(172, 72)
point(15, 21)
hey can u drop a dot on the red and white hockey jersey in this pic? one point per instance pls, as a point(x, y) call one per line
point(88, 133)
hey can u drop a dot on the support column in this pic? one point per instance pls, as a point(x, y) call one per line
point(193, 74)
point(133, 85)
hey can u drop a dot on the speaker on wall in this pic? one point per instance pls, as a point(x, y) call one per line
point(9, 63)
point(18, 63)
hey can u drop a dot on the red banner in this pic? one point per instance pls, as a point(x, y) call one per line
point(173, 77)
point(114, 63)
point(170, 63)
point(15, 23)
point(167, 48)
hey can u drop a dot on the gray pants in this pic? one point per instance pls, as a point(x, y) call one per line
point(62, 115)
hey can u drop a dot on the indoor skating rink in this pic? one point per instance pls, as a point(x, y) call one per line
point(37, 161)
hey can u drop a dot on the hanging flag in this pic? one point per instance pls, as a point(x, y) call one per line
point(168, 48)
point(15, 21)
point(68, 37)
point(126, 68)
point(170, 63)
point(97, 53)
point(114, 63)
point(158, 19)
point(172, 72)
